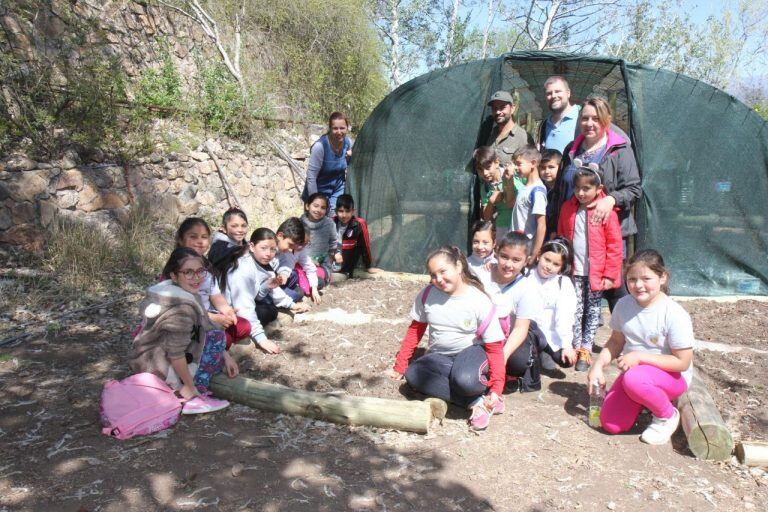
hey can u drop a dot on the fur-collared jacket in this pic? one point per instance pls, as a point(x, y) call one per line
point(173, 324)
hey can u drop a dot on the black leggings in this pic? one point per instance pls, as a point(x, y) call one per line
point(520, 360)
point(266, 311)
point(458, 379)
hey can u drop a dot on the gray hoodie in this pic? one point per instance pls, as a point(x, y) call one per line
point(323, 239)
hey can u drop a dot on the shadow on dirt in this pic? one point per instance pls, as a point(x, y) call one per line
point(54, 456)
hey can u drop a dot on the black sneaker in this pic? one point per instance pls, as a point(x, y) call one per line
point(582, 364)
point(547, 363)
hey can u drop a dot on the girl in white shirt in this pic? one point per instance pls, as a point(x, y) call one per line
point(652, 342)
point(518, 304)
point(483, 240)
point(552, 277)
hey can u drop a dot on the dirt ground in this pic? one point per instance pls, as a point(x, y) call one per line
point(539, 456)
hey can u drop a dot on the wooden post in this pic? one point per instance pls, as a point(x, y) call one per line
point(753, 453)
point(708, 437)
point(231, 195)
point(413, 416)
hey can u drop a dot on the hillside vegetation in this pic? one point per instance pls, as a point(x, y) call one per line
point(70, 74)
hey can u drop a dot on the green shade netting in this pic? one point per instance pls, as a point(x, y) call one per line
point(702, 155)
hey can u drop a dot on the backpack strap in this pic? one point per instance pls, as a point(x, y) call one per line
point(425, 294)
point(488, 319)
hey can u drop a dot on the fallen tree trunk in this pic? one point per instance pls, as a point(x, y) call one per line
point(708, 437)
point(413, 416)
point(753, 453)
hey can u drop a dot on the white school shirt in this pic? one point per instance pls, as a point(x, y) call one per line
point(518, 299)
point(477, 264)
point(558, 312)
point(454, 319)
point(657, 329)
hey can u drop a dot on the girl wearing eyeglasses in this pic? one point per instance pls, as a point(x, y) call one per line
point(177, 341)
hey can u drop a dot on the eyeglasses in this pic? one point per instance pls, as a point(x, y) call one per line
point(189, 273)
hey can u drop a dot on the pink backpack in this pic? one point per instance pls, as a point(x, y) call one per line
point(137, 406)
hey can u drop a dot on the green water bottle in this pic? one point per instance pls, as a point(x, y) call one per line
point(596, 398)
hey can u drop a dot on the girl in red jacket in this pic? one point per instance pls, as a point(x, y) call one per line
point(464, 363)
point(597, 255)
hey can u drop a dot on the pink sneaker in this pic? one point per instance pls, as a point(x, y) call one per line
point(499, 408)
point(480, 419)
point(203, 404)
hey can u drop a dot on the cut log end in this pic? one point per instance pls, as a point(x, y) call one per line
point(439, 408)
point(753, 453)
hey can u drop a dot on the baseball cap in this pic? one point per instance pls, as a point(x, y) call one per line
point(501, 96)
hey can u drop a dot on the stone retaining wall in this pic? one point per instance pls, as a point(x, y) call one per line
point(174, 186)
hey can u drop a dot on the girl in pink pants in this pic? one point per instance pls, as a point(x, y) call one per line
point(652, 342)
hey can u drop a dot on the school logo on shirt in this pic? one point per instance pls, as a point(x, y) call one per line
point(467, 323)
point(654, 339)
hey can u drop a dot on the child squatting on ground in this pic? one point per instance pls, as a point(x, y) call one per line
point(352, 233)
point(518, 304)
point(464, 363)
point(194, 233)
point(652, 342)
point(231, 235)
point(552, 278)
point(250, 283)
point(176, 341)
point(297, 273)
point(597, 255)
point(323, 243)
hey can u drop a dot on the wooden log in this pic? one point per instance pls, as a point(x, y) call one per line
point(412, 416)
point(753, 453)
point(708, 437)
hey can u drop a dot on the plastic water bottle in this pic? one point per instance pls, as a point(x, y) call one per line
point(596, 398)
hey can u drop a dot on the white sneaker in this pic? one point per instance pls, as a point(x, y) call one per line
point(661, 429)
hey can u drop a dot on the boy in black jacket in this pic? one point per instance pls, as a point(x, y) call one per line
point(353, 235)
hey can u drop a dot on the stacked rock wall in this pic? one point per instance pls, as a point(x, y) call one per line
point(173, 186)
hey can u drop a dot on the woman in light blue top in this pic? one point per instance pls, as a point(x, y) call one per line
point(328, 158)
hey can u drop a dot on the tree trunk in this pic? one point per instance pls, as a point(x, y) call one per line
point(487, 29)
point(708, 437)
point(449, 45)
point(413, 416)
point(394, 65)
point(543, 41)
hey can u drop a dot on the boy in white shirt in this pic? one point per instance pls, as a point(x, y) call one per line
point(529, 215)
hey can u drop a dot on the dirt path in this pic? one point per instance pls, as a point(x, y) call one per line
point(538, 456)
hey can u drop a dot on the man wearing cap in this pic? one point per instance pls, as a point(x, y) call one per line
point(506, 135)
point(562, 125)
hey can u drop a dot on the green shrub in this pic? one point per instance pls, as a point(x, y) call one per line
point(221, 105)
point(160, 87)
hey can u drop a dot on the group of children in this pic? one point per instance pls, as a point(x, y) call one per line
point(202, 305)
point(522, 295)
point(492, 327)
point(520, 202)
point(525, 296)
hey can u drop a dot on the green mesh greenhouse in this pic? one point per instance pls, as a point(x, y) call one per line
point(702, 155)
